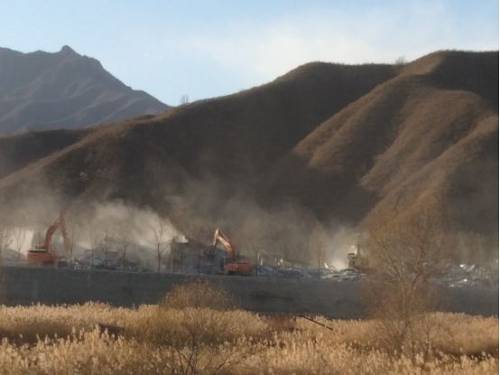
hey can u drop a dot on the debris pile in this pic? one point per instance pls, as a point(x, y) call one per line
point(466, 275)
point(347, 274)
point(455, 276)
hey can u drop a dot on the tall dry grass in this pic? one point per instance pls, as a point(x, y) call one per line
point(165, 339)
point(349, 347)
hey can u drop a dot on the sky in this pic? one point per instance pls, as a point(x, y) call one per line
point(216, 47)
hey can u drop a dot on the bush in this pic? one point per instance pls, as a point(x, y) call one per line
point(198, 313)
point(198, 326)
point(195, 323)
point(198, 294)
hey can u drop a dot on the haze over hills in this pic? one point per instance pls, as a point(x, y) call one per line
point(332, 144)
point(41, 90)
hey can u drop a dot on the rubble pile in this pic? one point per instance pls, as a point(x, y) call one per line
point(315, 273)
point(347, 274)
point(455, 276)
point(466, 275)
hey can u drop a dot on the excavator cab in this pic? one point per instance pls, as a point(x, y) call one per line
point(39, 256)
point(241, 266)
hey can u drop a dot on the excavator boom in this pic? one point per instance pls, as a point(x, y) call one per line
point(219, 236)
point(46, 244)
point(236, 265)
point(42, 254)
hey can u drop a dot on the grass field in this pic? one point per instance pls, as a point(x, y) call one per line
point(99, 339)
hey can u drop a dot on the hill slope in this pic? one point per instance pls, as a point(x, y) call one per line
point(233, 138)
point(41, 90)
point(429, 132)
point(325, 142)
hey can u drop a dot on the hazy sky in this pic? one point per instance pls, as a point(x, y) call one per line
point(211, 48)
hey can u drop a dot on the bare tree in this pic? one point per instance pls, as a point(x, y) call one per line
point(317, 245)
point(161, 236)
point(96, 235)
point(72, 228)
point(405, 254)
point(124, 246)
point(184, 99)
point(18, 235)
point(123, 233)
point(5, 237)
point(400, 61)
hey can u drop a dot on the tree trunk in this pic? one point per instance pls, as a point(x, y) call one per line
point(158, 253)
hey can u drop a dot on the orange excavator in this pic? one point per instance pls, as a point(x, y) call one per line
point(235, 264)
point(43, 254)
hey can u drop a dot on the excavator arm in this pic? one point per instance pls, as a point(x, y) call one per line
point(219, 236)
point(46, 245)
point(235, 265)
point(42, 254)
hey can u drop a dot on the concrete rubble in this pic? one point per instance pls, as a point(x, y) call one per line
point(314, 273)
point(455, 276)
point(466, 275)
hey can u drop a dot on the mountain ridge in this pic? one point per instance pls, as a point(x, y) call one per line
point(42, 90)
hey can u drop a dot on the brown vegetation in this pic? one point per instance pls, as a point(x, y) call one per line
point(232, 342)
point(198, 294)
point(405, 255)
point(418, 135)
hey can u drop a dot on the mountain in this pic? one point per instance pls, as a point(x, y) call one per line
point(234, 138)
point(337, 145)
point(42, 90)
point(429, 133)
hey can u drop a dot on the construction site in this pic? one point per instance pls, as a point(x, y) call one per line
point(288, 187)
point(53, 270)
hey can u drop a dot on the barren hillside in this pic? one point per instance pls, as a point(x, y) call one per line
point(337, 143)
point(429, 132)
point(232, 139)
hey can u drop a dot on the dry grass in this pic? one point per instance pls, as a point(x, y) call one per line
point(160, 340)
point(184, 335)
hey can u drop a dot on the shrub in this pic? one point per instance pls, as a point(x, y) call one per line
point(405, 254)
point(198, 294)
point(197, 326)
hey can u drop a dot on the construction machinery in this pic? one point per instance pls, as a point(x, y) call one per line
point(234, 264)
point(357, 260)
point(43, 253)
